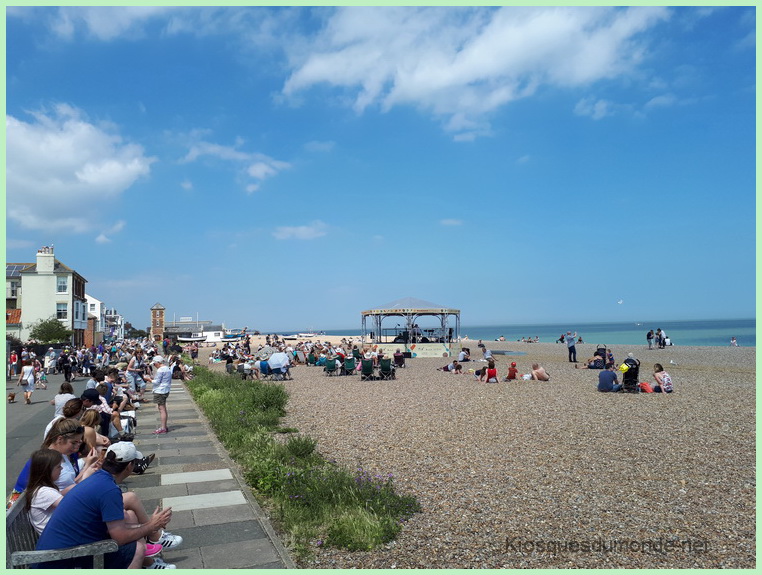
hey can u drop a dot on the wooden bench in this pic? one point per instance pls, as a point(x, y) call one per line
point(21, 539)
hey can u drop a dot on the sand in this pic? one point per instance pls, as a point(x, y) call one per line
point(551, 474)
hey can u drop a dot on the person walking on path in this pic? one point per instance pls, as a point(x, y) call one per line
point(570, 340)
point(162, 383)
point(26, 379)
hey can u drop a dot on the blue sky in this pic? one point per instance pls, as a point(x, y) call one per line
point(287, 168)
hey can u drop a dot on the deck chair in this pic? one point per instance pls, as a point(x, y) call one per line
point(367, 370)
point(399, 360)
point(300, 357)
point(385, 369)
point(265, 371)
point(311, 359)
point(349, 366)
point(330, 367)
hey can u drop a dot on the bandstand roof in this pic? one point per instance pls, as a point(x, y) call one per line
point(410, 305)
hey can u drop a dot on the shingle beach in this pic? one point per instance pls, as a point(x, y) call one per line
point(550, 474)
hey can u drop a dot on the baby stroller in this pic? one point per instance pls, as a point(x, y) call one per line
point(630, 377)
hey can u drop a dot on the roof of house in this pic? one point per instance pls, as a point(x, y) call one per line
point(12, 316)
point(14, 269)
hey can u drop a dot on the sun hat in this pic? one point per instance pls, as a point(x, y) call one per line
point(157, 359)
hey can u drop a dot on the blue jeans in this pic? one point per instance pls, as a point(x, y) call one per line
point(572, 353)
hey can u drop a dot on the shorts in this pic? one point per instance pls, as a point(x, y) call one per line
point(160, 398)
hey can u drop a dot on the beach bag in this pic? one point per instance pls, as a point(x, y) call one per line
point(526, 376)
point(645, 387)
point(624, 367)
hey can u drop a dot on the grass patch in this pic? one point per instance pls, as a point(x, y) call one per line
point(316, 502)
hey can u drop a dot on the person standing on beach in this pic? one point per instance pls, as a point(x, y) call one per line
point(650, 339)
point(570, 340)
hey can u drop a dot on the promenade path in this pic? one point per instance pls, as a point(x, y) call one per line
point(214, 511)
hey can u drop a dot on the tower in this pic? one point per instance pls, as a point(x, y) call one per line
point(157, 322)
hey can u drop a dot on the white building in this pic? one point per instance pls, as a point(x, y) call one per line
point(96, 308)
point(114, 328)
point(46, 289)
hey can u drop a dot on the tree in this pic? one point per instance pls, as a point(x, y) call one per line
point(135, 333)
point(13, 340)
point(49, 331)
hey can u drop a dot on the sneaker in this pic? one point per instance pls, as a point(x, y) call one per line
point(159, 431)
point(142, 464)
point(153, 549)
point(160, 564)
point(169, 541)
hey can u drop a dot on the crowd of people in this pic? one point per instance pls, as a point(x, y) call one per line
point(72, 481)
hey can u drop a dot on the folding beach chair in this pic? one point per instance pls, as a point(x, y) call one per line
point(300, 357)
point(367, 370)
point(330, 367)
point(385, 369)
point(311, 359)
point(356, 354)
point(265, 371)
point(399, 360)
point(349, 366)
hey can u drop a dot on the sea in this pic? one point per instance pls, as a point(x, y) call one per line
point(713, 333)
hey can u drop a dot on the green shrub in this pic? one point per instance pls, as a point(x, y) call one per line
point(314, 500)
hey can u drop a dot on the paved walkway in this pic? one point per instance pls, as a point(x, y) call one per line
point(221, 523)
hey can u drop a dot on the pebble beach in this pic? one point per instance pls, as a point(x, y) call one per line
point(528, 474)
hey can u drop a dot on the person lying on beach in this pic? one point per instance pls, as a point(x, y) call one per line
point(663, 380)
point(539, 373)
point(453, 367)
point(595, 362)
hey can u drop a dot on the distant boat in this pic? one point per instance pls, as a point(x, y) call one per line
point(306, 335)
point(193, 337)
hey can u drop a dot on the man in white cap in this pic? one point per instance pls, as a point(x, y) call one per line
point(162, 382)
point(94, 510)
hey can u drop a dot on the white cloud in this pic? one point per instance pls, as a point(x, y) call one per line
point(254, 165)
point(105, 23)
point(114, 229)
point(186, 185)
point(451, 222)
point(523, 159)
point(312, 231)
point(663, 100)
point(596, 109)
point(462, 64)
point(60, 162)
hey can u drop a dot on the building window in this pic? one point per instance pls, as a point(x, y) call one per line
point(92, 307)
point(62, 311)
point(62, 285)
point(15, 286)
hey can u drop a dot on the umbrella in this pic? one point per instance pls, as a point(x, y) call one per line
point(278, 360)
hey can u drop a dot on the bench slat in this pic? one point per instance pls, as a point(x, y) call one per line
point(21, 538)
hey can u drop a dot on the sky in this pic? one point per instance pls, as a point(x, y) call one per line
point(286, 168)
